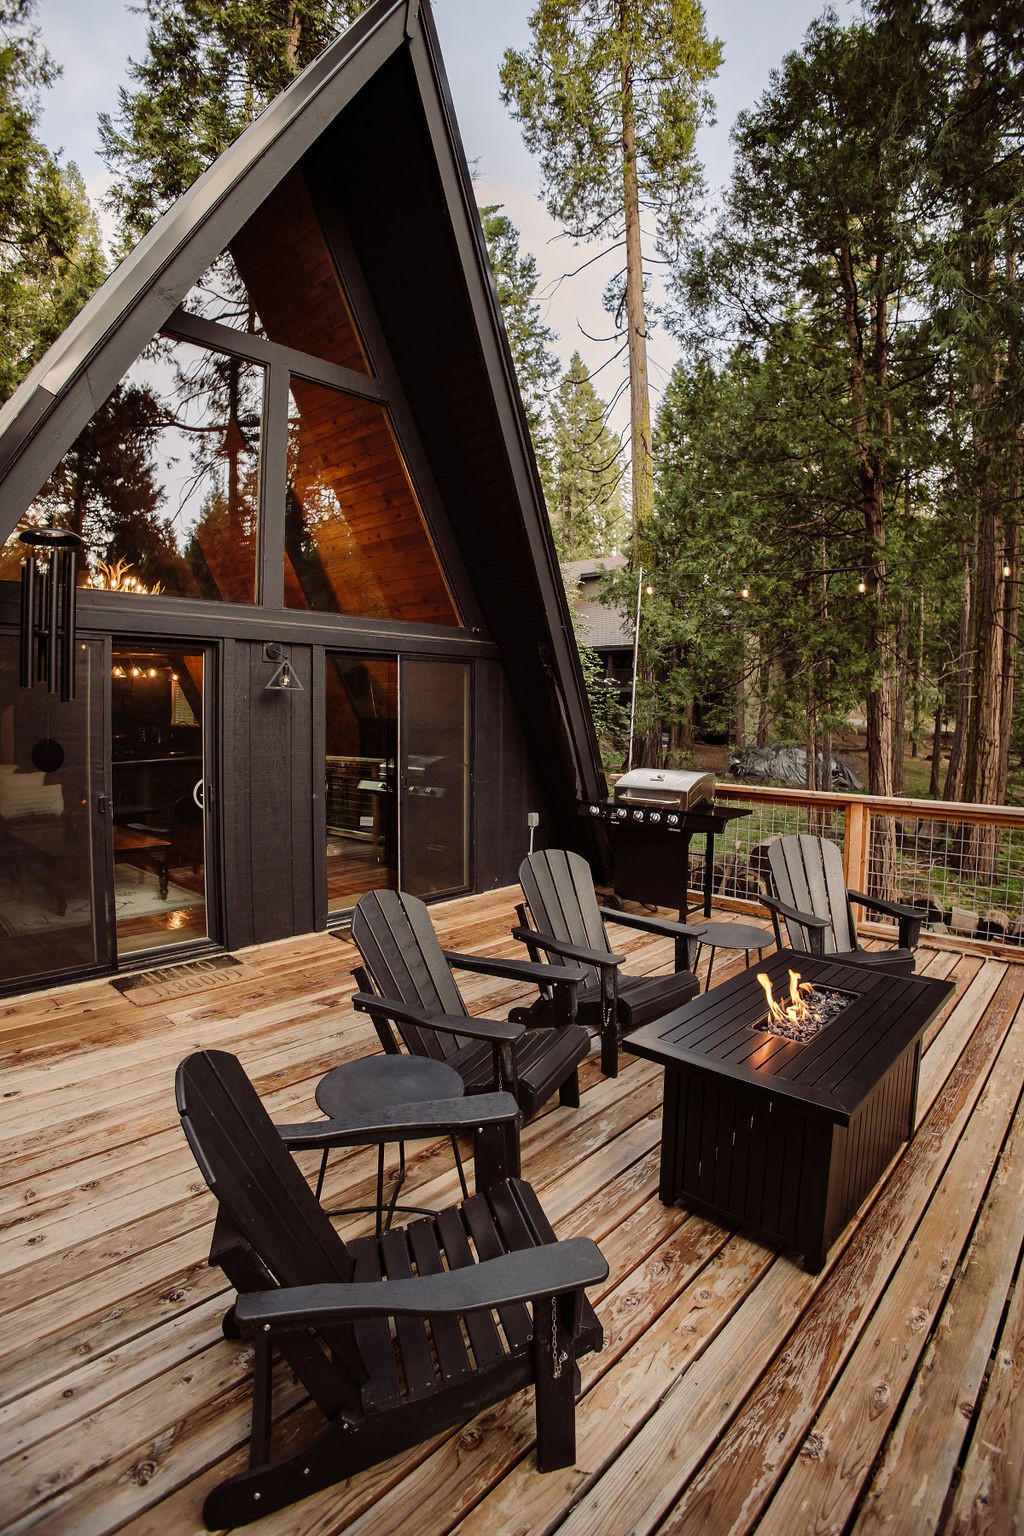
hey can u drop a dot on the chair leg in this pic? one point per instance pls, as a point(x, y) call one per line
point(458, 1164)
point(569, 1092)
point(610, 1049)
point(555, 1379)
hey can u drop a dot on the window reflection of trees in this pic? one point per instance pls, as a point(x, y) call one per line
point(163, 482)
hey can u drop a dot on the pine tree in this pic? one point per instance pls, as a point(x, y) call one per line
point(823, 225)
point(209, 71)
point(610, 95)
point(529, 339)
point(50, 252)
point(585, 491)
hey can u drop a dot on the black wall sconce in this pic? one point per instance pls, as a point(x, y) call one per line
point(47, 649)
point(284, 679)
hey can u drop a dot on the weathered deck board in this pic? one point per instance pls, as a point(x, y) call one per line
point(734, 1389)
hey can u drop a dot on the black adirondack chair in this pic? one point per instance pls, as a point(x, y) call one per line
point(407, 987)
point(393, 1337)
point(561, 917)
point(809, 895)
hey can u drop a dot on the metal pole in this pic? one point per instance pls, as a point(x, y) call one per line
point(636, 653)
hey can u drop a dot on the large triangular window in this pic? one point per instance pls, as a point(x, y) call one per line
point(199, 478)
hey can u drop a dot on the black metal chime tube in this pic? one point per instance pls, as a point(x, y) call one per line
point(69, 560)
point(48, 612)
point(27, 648)
point(53, 612)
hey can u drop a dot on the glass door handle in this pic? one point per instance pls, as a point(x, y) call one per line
point(197, 793)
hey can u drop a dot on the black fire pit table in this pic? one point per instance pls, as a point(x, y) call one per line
point(784, 1138)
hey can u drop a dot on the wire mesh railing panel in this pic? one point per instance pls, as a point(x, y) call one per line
point(968, 876)
point(736, 859)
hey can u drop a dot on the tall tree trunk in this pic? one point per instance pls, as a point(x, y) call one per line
point(764, 673)
point(641, 457)
point(902, 683)
point(956, 773)
point(936, 776)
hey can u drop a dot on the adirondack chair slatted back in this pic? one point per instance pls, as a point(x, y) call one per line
point(807, 873)
point(260, 1188)
point(559, 891)
point(403, 956)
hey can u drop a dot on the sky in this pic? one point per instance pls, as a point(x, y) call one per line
point(94, 39)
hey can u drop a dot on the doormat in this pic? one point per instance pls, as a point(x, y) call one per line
point(179, 980)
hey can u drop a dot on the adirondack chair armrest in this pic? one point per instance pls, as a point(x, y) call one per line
point(910, 919)
point(496, 1031)
point(552, 1269)
point(686, 938)
point(402, 1121)
point(808, 919)
point(566, 950)
point(517, 970)
point(664, 925)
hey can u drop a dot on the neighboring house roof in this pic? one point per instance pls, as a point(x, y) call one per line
point(371, 127)
point(605, 627)
point(576, 571)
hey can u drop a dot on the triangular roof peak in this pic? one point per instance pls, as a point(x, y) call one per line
point(154, 277)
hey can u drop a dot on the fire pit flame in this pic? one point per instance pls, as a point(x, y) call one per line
point(797, 1010)
point(805, 1012)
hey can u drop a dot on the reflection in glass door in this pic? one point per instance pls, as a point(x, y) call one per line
point(158, 834)
point(361, 737)
point(435, 777)
point(51, 848)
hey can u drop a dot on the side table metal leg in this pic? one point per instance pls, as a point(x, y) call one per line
point(711, 961)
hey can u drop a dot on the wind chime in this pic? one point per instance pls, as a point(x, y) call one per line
point(47, 651)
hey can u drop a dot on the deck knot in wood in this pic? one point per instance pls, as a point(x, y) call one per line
point(880, 1397)
point(815, 1447)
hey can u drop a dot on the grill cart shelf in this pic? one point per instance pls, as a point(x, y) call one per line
point(788, 1139)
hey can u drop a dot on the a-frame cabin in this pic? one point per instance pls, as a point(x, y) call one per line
point(324, 644)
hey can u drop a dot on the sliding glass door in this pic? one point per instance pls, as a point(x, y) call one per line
point(361, 703)
point(53, 909)
point(435, 776)
point(160, 802)
point(396, 776)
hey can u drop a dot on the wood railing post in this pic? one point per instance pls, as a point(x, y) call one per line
point(857, 845)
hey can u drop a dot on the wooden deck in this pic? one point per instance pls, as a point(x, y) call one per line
point(734, 1391)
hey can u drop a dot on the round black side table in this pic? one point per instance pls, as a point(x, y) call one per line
point(732, 936)
point(357, 1091)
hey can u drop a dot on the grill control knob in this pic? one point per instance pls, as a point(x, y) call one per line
point(622, 814)
point(673, 819)
point(638, 815)
point(655, 816)
point(595, 810)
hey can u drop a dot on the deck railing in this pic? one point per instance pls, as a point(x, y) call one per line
point(963, 863)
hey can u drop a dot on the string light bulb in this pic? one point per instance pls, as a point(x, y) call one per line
point(1007, 568)
point(862, 585)
point(649, 590)
point(744, 591)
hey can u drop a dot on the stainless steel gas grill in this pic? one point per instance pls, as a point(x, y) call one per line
point(673, 789)
point(652, 817)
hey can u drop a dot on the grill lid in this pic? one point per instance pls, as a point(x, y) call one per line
point(680, 788)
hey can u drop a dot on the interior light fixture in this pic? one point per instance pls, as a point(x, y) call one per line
point(284, 679)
